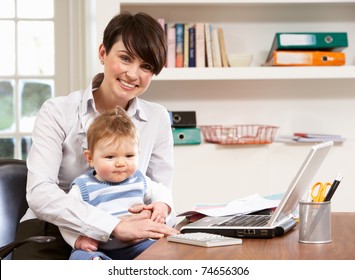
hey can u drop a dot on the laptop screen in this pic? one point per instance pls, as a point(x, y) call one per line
point(301, 181)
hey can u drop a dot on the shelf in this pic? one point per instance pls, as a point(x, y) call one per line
point(257, 73)
point(250, 28)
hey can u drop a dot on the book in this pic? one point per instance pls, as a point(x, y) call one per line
point(186, 44)
point(325, 41)
point(192, 48)
point(216, 52)
point(222, 46)
point(179, 44)
point(171, 41)
point(305, 58)
point(161, 22)
point(200, 44)
point(208, 45)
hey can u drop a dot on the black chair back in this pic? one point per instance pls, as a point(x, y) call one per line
point(13, 204)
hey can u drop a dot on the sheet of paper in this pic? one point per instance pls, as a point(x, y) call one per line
point(298, 139)
point(244, 205)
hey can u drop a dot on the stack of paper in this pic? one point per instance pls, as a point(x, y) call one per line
point(310, 138)
point(244, 205)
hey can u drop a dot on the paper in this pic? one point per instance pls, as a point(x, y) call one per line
point(244, 205)
point(309, 139)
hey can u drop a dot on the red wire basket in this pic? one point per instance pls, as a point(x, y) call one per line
point(239, 134)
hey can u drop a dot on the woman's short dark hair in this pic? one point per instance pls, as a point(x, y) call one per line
point(141, 34)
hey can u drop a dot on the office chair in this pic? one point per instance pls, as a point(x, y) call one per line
point(13, 205)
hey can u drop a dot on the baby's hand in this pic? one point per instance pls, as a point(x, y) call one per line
point(86, 244)
point(159, 210)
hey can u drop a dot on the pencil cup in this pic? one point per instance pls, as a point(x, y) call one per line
point(314, 222)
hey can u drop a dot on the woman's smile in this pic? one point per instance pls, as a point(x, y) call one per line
point(126, 84)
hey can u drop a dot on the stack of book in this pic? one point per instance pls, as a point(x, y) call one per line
point(195, 45)
point(307, 49)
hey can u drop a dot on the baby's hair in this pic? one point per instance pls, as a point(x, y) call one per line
point(114, 124)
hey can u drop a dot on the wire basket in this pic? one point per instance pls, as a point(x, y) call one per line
point(239, 134)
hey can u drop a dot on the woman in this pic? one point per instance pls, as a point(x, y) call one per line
point(132, 51)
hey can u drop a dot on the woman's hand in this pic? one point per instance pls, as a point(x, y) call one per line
point(133, 229)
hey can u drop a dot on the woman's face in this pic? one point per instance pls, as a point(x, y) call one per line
point(126, 75)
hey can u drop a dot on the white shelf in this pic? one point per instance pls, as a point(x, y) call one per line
point(250, 28)
point(257, 73)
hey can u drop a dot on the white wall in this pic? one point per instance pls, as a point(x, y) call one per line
point(217, 174)
point(209, 173)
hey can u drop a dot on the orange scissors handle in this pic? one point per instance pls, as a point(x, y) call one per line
point(319, 191)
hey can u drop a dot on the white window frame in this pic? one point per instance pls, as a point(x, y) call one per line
point(71, 19)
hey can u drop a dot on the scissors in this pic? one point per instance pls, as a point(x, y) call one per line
point(319, 191)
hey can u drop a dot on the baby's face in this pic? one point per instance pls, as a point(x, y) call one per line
point(115, 161)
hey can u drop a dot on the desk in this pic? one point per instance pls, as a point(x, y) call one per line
point(286, 247)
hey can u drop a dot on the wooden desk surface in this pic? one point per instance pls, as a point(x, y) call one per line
point(286, 247)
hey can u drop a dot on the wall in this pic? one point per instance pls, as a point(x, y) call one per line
point(216, 174)
point(209, 173)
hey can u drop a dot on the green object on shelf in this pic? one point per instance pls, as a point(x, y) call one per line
point(186, 136)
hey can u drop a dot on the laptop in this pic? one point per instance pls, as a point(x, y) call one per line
point(281, 220)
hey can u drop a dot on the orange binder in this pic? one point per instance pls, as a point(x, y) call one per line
point(306, 58)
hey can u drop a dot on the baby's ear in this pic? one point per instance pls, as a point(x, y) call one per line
point(88, 156)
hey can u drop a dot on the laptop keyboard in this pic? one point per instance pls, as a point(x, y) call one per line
point(247, 220)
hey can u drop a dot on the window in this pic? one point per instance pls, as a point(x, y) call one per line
point(27, 71)
point(32, 64)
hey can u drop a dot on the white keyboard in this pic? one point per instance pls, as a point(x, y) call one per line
point(204, 239)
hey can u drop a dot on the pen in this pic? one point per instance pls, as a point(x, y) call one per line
point(333, 188)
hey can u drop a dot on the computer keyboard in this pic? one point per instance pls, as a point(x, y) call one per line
point(247, 220)
point(204, 239)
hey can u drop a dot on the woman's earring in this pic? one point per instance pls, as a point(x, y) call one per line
point(102, 62)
